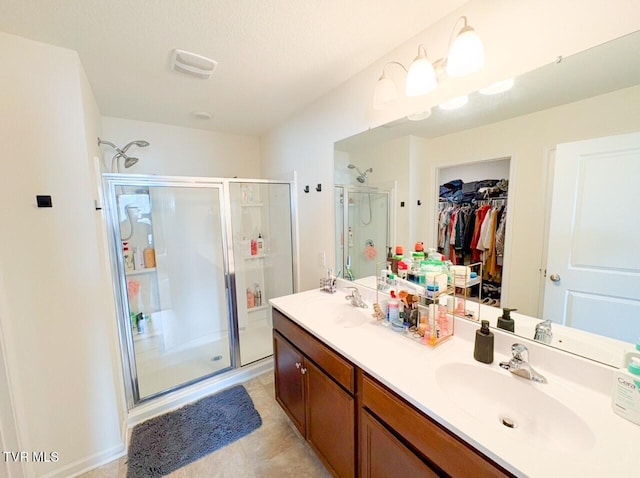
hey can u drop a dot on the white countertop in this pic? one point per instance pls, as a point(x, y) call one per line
point(608, 448)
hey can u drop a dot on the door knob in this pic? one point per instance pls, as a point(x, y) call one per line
point(554, 278)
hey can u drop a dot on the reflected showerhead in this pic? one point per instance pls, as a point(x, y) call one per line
point(363, 176)
point(129, 161)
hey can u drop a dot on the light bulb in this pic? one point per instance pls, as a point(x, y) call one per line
point(466, 54)
point(384, 93)
point(421, 78)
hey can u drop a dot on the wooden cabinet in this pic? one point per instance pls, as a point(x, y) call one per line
point(435, 445)
point(314, 386)
point(289, 381)
point(326, 396)
point(382, 455)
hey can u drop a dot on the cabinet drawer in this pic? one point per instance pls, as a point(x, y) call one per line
point(440, 447)
point(328, 360)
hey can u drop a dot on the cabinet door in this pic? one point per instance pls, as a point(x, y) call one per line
point(330, 422)
point(289, 379)
point(383, 455)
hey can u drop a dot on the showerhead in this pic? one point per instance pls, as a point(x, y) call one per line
point(139, 142)
point(130, 161)
point(121, 153)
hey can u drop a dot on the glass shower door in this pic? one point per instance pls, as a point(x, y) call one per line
point(263, 259)
point(367, 231)
point(173, 264)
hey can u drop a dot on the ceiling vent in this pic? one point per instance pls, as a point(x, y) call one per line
point(192, 64)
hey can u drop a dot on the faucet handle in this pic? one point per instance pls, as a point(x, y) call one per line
point(520, 352)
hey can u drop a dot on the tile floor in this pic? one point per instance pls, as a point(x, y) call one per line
point(273, 450)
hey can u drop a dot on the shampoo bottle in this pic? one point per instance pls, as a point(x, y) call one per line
point(626, 391)
point(149, 254)
point(483, 350)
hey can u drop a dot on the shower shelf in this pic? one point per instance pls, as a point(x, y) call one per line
point(141, 271)
point(255, 309)
point(259, 256)
point(251, 204)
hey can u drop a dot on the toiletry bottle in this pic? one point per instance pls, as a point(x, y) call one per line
point(393, 310)
point(127, 255)
point(138, 258)
point(505, 321)
point(149, 254)
point(260, 243)
point(443, 320)
point(254, 247)
point(258, 296)
point(483, 350)
point(626, 391)
point(251, 299)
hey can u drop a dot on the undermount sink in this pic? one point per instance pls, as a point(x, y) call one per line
point(516, 406)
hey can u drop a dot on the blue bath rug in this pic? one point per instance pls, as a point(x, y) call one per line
point(165, 443)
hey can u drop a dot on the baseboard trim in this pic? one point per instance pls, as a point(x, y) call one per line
point(89, 463)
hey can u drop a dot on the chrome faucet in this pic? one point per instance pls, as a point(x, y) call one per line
point(355, 298)
point(519, 364)
point(543, 332)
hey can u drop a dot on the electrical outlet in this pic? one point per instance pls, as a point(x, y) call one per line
point(322, 259)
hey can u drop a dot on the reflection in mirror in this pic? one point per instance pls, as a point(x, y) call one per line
point(593, 94)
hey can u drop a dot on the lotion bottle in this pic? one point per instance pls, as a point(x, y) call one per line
point(260, 243)
point(626, 391)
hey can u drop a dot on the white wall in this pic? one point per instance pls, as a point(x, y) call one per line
point(177, 151)
point(57, 316)
point(518, 37)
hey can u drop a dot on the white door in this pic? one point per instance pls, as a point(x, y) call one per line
point(593, 264)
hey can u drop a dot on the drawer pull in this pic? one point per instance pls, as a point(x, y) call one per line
point(303, 370)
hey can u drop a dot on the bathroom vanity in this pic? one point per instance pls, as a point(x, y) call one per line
point(374, 403)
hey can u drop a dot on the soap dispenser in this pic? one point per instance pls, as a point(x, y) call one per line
point(505, 321)
point(483, 350)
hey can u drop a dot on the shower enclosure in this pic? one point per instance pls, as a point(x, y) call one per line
point(195, 262)
point(362, 229)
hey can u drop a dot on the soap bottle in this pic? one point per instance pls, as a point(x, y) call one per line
point(505, 321)
point(626, 391)
point(149, 254)
point(483, 350)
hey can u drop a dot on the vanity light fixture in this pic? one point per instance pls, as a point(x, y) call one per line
point(455, 103)
point(499, 87)
point(466, 52)
point(421, 78)
point(465, 56)
point(385, 91)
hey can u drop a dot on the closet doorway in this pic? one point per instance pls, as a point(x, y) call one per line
point(471, 220)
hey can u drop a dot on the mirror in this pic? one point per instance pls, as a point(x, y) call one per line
point(593, 94)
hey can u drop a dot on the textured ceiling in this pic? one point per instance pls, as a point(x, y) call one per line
point(274, 56)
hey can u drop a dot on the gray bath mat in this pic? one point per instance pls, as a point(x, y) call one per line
point(165, 443)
